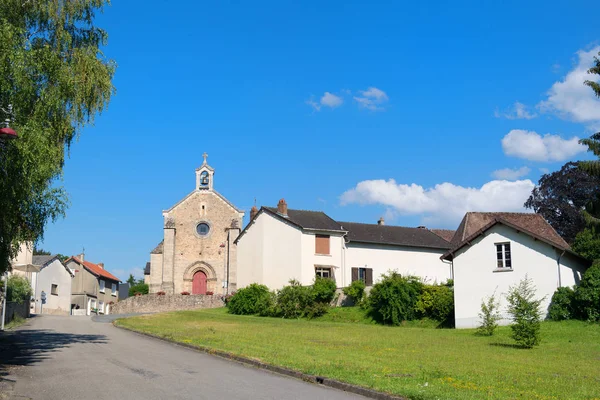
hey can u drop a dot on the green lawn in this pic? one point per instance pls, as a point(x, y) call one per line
point(413, 361)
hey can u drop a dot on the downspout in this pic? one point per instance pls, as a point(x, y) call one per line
point(558, 265)
point(228, 256)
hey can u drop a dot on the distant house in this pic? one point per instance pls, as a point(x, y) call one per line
point(94, 288)
point(54, 280)
point(492, 251)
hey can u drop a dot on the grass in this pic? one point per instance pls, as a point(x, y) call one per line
point(418, 362)
point(16, 322)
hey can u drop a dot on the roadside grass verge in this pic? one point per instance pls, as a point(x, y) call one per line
point(418, 362)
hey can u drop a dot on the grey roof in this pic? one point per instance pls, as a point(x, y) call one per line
point(446, 234)
point(147, 269)
point(306, 219)
point(41, 260)
point(159, 248)
point(393, 235)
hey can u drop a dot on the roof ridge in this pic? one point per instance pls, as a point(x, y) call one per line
point(388, 226)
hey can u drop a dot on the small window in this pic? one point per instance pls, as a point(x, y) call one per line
point(322, 244)
point(363, 274)
point(202, 229)
point(101, 307)
point(114, 289)
point(503, 257)
point(54, 290)
point(323, 272)
point(101, 282)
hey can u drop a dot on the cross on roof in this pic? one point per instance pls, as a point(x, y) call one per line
point(205, 157)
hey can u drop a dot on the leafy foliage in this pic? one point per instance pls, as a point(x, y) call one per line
point(525, 312)
point(562, 306)
point(489, 316)
point(393, 299)
point(356, 291)
point(139, 288)
point(18, 289)
point(40, 252)
point(437, 302)
point(587, 294)
point(250, 300)
point(323, 290)
point(560, 196)
point(587, 244)
point(57, 79)
point(131, 280)
point(293, 300)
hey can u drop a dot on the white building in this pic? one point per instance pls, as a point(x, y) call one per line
point(493, 251)
point(54, 279)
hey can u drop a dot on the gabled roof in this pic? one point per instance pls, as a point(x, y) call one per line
point(393, 235)
point(305, 219)
point(159, 248)
point(94, 269)
point(44, 261)
point(477, 223)
point(446, 234)
point(219, 195)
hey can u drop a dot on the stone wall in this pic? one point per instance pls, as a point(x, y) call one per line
point(168, 302)
point(15, 310)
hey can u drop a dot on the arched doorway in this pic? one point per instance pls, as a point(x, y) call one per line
point(199, 283)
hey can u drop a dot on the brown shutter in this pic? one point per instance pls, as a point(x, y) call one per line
point(354, 274)
point(321, 244)
point(369, 277)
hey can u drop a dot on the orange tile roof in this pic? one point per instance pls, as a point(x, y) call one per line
point(95, 269)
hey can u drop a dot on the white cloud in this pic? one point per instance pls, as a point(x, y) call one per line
point(510, 174)
point(445, 202)
point(532, 146)
point(328, 100)
point(372, 99)
point(570, 98)
point(518, 111)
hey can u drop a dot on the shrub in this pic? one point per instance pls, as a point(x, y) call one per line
point(161, 293)
point(315, 310)
point(184, 293)
point(587, 294)
point(587, 244)
point(140, 288)
point(489, 316)
point(393, 299)
point(562, 304)
point(209, 293)
point(356, 291)
point(323, 290)
point(18, 289)
point(249, 300)
point(437, 302)
point(525, 312)
point(293, 300)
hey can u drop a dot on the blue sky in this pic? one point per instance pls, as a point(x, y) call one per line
point(359, 109)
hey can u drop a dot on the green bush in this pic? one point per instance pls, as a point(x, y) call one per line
point(18, 289)
point(293, 300)
point(356, 291)
point(253, 299)
point(393, 299)
point(437, 302)
point(587, 244)
point(587, 294)
point(489, 316)
point(525, 312)
point(140, 288)
point(323, 290)
point(562, 305)
point(315, 310)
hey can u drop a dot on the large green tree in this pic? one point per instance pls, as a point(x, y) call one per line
point(55, 75)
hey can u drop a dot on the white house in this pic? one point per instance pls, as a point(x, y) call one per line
point(492, 251)
point(280, 244)
point(54, 279)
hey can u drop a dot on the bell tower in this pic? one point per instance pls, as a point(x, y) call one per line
point(204, 175)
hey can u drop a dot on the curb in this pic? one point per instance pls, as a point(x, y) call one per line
point(319, 380)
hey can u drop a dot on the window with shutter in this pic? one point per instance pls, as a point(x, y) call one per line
point(354, 274)
point(322, 244)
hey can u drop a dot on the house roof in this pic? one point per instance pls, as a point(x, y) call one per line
point(306, 219)
point(476, 223)
point(446, 234)
point(393, 235)
point(44, 260)
point(159, 248)
point(95, 269)
point(147, 269)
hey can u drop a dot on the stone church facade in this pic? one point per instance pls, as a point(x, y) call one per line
point(197, 254)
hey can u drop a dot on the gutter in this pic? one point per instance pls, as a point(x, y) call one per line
point(558, 265)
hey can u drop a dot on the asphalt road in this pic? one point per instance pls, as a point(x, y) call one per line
point(76, 358)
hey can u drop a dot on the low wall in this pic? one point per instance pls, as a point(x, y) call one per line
point(15, 310)
point(167, 302)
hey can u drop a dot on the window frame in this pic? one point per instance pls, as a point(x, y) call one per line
point(100, 308)
point(317, 247)
point(320, 269)
point(113, 289)
point(503, 256)
point(101, 285)
point(207, 234)
point(52, 291)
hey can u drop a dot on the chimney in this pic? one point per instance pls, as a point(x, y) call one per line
point(282, 207)
point(81, 256)
point(253, 212)
point(381, 221)
point(422, 227)
point(101, 265)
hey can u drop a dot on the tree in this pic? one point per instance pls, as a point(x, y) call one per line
point(57, 79)
point(489, 316)
point(525, 312)
point(131, 280)
point(561, 196)
point(41, 252)
point(587, 244)
point(587, 294)
point(18, 289)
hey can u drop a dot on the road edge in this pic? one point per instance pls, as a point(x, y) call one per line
point(319, 380)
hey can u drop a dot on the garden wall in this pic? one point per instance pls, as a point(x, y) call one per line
point(15, 310)
point(168, 302)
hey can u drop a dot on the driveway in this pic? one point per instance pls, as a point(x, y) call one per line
point(67, 358)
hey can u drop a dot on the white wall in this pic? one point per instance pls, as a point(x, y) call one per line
point(54, 273)
point(421, 262)
point(310, 258)
point(475, 277)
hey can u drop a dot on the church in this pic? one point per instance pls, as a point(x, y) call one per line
point(197, 254)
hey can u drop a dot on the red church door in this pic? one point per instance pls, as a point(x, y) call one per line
point(199, 283)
